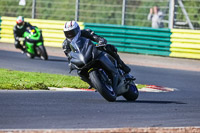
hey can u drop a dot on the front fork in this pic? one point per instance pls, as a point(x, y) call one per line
point(110, 65)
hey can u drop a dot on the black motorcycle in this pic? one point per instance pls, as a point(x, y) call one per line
point(102, 70)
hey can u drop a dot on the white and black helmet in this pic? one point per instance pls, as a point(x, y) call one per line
point(71, 29)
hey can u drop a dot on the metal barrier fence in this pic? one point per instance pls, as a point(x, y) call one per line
point(182, 13)
point(133, 39)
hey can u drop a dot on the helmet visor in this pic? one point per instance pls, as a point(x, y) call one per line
point(20, 25)
point(72, 33)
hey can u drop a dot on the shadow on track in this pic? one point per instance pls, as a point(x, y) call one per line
point(59, 60)
point(152, 102)
point(50, 59)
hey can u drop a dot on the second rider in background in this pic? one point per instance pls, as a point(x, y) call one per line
point(19, 30)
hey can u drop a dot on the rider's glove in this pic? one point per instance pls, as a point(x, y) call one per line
point(102, 41)
point(17, 38)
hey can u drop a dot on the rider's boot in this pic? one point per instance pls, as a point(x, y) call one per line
point(113, 52)
point(19, 46)
point(23, 50)
point(129, 77)
point(123, 66)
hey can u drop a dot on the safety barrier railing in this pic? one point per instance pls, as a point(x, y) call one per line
point(132, 39)
point(135, 39)
point(185, 43)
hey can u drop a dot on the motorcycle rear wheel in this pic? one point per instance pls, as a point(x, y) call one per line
point(102, 86)
point(132, 93)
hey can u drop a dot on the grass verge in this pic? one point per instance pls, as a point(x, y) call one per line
point(19, 80)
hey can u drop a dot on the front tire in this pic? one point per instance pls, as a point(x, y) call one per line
point(29, 55)
point(43, 54)
point(132, 93)
point(102, 86)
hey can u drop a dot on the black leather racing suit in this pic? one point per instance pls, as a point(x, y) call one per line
point(110, 49)
point(19, 33)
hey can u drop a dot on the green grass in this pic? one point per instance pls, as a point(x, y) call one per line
point(19, 80)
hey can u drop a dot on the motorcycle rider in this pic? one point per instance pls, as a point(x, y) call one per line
point(72, 32)
point(19, 30)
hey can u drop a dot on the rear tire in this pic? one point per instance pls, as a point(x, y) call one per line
point(43, 54)
point(132, 93)
point(102, 86)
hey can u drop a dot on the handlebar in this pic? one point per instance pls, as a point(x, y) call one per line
point(100, 45)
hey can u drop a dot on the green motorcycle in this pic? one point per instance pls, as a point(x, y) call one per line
point(34, 43)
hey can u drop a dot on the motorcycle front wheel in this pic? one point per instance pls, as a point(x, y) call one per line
point(102, 85)
point(43, 54)
point(29, 55)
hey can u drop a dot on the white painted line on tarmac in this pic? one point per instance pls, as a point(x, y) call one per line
point(154, 88)
point(148, 88)
point(68, 89)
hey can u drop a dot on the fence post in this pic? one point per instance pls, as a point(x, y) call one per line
point(77, 10)
point(33, 8)
point(185, 13)
point(171, 14)
point(123, 11)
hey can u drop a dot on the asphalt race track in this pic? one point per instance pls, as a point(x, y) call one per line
point(61, 109)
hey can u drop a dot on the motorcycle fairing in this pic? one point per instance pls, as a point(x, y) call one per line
point(82, 52)
point(30, 47)
point(33, 39)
